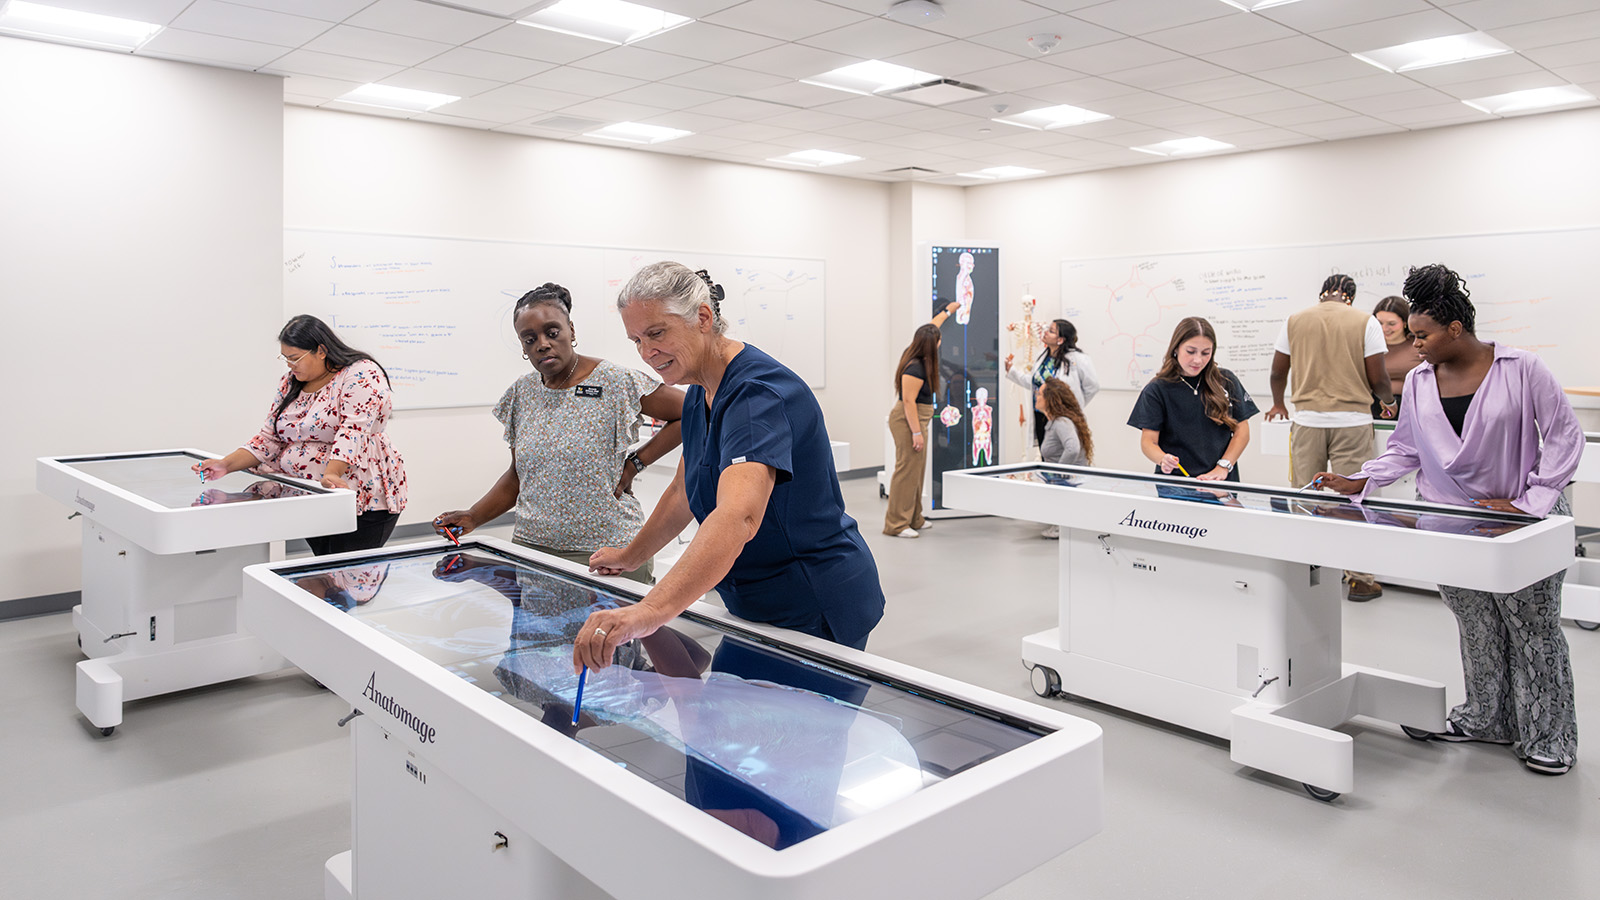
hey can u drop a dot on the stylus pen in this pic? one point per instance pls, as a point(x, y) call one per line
point(447, 531)
point(1180, 469)
point(577, 702)
point(1311, 484)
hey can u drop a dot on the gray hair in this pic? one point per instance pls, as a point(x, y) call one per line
point(677, 287)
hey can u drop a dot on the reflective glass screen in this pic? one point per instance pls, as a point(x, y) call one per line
point(778, 745)
point(169, 479)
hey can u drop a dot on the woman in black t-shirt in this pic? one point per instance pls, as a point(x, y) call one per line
point(916, 381)
point(1194, 414)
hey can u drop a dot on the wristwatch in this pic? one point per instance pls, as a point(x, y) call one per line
point(639, 465)
point(1225, 464)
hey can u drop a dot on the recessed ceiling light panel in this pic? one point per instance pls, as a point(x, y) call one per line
point(1053, 117)
point(35, 20)
point(1439, 51)
point(636, 133)
point(994, 172)
point(871, 77)
point(1183, 147)
point(814, 158)
point(1535, 100)
point(612, 21)
point(396, 98)
point(1257, 5)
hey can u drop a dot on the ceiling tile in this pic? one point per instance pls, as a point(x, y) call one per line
point(327, 10)
point(1368, 86)
point(1257, 103)
point(969, 18)
point(665, 96)
point(1018, 76)
point(429, 21)
point(1505, 84)
point(1575, 53)
point(249, 24)
point(1300, 115)
point(175, 43)
point(709, 43)
point(530, 97)
point(538, 43)
point(1351, 126)
point(786, 20)
point(440, 83)
point(689, 121)
point(1219, 88)
point(441, 117)
point(694, 9)
point(1493, 14)
point(637, 62)
point(734, 80)
point(815, 121)
point(581, 81)
point(363, 109)
point(1545, 32)
point(489, 110)
point(612, 110)
point(953, 58)
point(871, 107)
point(1074, 34)
point(868, 131)
point(742, 109)
point(1322, 71)
point(1168, 74)
point(1176, 117)
point(1502, 66)
point(1223, 33)
point(153, 12)
point(1265, 137)
point(921, 140)
point(1417, 26)
point(1312, 17)
point(1081, 92)
point(1413, 99)
point(378, 46)
point(1274, 54)
point(1135, 17)
point(327, 65)
point(1436, 116)
point(1112, 56)
point(1580, 75)
point(321, 88)
point(1137, 104)
point(483, 64)
point(875, 39)
point(795, 61)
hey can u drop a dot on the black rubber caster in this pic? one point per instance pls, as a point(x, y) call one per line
point(1417, 734)
point(80, 642)
point(106, 732)
point(1586, 626)
point(1045, 681)
point(1320, 794)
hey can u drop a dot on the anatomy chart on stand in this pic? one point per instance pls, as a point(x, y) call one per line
point(964, 432)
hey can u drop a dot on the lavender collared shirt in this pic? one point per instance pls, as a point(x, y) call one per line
point(1498, 454)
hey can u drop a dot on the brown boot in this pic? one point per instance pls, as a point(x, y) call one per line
point(1362, 591)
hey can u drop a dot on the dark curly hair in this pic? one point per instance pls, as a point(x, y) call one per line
point(1440, 294)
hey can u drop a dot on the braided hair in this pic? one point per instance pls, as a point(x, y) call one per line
point(549, 292)
point(1440, 294)
point(1342, 284)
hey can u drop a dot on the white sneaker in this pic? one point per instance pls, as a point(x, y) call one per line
point(1053, 533)
point(909, 533)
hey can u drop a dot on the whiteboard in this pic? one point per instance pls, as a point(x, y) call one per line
point(1529, 290)
point(436, 312)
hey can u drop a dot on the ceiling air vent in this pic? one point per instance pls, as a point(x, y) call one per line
point(910, 171)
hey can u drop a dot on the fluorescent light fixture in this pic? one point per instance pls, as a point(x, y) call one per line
point(1258, 5)
point(814, 158)
point(870, 77)
point(636, 133)
point(1439, 51)
point(36, 20)
point(396, 98)
point(1183, 147)
point(612, 21)
point(1532, 100)
point(1002, 172)
point(1053, 117)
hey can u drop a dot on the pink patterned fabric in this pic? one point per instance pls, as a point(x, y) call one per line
point(345, 420)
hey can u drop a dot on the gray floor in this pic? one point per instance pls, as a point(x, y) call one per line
point(242, 790)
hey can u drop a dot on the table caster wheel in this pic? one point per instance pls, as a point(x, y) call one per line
point(106, 732)
point(80, 642)
point(1045, 681)
point(1320, 794)
point(1417, 734)
point(1586, 626)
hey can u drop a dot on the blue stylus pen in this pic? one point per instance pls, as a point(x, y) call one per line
point(577, 702)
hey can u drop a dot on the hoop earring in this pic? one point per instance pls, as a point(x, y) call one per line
point(525, 356)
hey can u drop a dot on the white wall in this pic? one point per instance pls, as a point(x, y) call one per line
point(1531, 173)
point(141, 225)
point(361, 173)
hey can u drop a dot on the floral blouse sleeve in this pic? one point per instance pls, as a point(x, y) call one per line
point(265, 445)
point(363, 405)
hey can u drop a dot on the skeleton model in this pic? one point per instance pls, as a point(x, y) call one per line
point(1025, 344)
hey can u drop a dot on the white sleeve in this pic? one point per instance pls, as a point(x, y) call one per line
point(1373, 339)
point(1021, 374)
point(1087, 376)
point(1282, 343)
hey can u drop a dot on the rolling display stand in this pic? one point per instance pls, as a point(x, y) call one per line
point(715, 760)
point(1216, 606)
point(162, 556)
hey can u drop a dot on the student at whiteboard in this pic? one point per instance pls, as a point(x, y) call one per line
point(570, 423)
point(1400, 353)
point(327, 424)
point(1194, 415)
point(1061, 359)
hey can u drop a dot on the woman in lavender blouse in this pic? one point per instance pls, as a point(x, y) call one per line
point(1471, 427)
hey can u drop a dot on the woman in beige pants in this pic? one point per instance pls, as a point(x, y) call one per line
point(916, 383)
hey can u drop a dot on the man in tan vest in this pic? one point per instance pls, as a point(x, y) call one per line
point(1337, 358)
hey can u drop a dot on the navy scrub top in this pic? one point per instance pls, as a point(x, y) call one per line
point(807, 568)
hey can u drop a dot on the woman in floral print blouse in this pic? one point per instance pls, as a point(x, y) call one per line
point(327, 424)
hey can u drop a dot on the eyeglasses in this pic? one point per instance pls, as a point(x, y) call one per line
point(294, 361)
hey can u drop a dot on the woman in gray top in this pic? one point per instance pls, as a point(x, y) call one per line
point(1066, 431)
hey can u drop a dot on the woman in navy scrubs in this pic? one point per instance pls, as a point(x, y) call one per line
point(757, 474)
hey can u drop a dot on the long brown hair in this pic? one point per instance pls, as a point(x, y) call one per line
point(1213, 385)
point(924, 346)
point(1061, 403)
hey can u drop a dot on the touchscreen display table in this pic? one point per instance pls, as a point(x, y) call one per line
point(1216, 606)
point(715, 758)
point(162, 557)
point(1580, 594)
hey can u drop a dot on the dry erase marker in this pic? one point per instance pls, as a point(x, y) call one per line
point(577, 702)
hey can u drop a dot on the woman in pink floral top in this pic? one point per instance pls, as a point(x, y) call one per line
point(327, 424)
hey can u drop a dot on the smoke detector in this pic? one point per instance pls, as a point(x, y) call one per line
point(1044, 42)
point(915, 12)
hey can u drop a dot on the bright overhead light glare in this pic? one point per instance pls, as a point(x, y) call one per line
point(1052, 117)
point(1257, 5)
point(612, 21)
point(1439, 51)
point(1002, 172)
point(1183, 147)
point(36, 20)
point(814, 158)
point(637, 133)
point(1532, 100)
point(388, 97)
point(870, 77)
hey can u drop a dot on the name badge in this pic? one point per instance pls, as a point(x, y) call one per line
point(588, 390)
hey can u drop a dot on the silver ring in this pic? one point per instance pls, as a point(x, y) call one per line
point(599, 632)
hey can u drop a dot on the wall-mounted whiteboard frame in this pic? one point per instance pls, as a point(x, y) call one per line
point(436, 311)
point(1528, 287)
